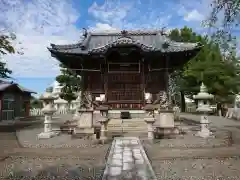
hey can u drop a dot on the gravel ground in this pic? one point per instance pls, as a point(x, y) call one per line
point(190, 140)
point(197, 169)
point(49, 168)
point(28, 138)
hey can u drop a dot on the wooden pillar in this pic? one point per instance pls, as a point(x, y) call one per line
point(105, 79)
point(167, 79)
point(27, 108)
point(142, 71)
point(1, 106)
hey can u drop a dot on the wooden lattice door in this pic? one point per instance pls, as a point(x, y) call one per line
point(124, 88)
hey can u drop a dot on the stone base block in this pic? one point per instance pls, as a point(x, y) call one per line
point(85, 120)
point(47, 135)
point(166, 132)
point(84, 130)
point(204, 134)
point(84, 133)
point(166, 119)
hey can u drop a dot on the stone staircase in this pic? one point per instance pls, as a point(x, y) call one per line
point(128, 127)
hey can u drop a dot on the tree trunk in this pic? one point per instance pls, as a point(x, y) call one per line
point(219, 109)
point(183, 103)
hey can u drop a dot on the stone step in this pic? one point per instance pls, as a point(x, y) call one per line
point(127, 130)
point(129, 122)
point(127, 127)
point(113, 126)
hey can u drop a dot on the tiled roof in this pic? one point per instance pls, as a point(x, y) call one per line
point(148, 41)
point(5, 84)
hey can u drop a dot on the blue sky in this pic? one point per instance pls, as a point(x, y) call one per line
point(37, 23)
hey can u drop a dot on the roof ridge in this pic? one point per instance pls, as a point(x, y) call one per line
point(129, 32)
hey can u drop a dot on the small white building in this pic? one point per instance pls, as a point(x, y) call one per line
point(60, 103)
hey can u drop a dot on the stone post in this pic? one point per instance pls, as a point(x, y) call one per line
point(165, 122)
point(104, 122)
point(48, 110)
point(203, 98)
point(150, 121)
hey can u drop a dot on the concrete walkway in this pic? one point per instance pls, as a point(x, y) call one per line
point(127, 160)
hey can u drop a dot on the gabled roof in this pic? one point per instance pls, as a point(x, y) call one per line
point(26, 89)
point(148, 41)
point(6, 84)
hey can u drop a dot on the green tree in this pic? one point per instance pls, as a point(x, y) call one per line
point(70, 82)
point(231, 11)
point(224, 17)
point(35, 103)
point(6, 48)
point(219, 73)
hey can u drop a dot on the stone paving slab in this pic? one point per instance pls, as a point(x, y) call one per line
point(127, 160)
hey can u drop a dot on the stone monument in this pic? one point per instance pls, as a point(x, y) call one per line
point(165, 122)
point(84, 117)
point(203, 98)
point(48, 110)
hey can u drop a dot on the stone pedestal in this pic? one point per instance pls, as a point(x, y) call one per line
point(103, 131)
point(104, 119)
point(166, 119)
point(84, 123)
point(204, 132)
point(48, 132)
point(165, 124)
point(150, 121)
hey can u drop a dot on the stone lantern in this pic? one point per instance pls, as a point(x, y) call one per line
point(149, 119)
point(203, 98)
point(48, 110)
point(104, 122)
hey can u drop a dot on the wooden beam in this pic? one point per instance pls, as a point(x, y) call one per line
point(90, 70)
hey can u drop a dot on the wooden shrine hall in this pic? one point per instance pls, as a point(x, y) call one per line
point(122, 67)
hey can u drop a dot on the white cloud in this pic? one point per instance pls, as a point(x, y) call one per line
point(37, 24)
point(193, 15)
point(110, 12)
point(129, 14)
point(103, 27)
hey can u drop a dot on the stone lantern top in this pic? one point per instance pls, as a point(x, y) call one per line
point(203, 94)
point(48, 95)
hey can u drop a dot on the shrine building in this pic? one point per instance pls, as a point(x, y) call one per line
point(124, 67)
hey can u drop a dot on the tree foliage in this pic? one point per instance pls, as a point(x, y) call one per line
point(6, 48)
point(219, 72)
point(230, 9)
point(35, 103)
point(70, 82)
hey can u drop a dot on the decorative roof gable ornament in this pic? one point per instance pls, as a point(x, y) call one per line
point(163, 31)
point(124, 33)
point(85, 32)
point(165, 45)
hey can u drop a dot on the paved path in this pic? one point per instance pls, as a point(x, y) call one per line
point(127, 160)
